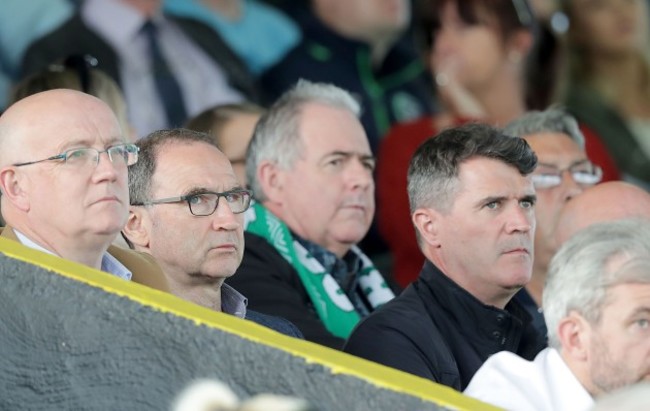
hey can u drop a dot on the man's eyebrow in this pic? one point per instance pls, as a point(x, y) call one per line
point(362, 156)
point(490, 199)
point(202, 190)
point(575, 163)
point(86, 142)
point(640, 310)
point(367, 157)
point(79, 142)
point(529, 197)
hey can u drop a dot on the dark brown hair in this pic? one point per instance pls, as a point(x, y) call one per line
point(506, 16)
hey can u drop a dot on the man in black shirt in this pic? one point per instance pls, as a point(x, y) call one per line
point(472, 203)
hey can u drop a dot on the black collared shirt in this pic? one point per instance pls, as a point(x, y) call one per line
point(437, 330)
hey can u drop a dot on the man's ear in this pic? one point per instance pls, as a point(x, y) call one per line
point(271, 179)
point(574, 332)
point(427, 222)
point(137, 228)
point(14, 186)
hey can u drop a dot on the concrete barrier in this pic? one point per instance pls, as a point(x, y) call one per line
point(76, 338)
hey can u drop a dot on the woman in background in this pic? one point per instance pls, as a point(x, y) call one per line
point(478, 54)
point(609, 78)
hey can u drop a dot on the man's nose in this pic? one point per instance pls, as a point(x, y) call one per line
point(105, 169)
point(359, 175)
point(520, 219)
point(570, 187)
point(223, 218)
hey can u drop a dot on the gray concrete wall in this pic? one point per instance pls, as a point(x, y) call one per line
point(75, 338)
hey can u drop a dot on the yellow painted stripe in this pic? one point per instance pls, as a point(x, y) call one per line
point(336, 361)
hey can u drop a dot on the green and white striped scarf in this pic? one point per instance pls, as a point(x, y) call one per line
point(332, 305)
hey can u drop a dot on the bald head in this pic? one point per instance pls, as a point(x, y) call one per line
point(41, 117)
point(73, 209)
point(609, 201)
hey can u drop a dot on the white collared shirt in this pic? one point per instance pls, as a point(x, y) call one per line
point(544, 384)
point(110, 264)
point(203, 83)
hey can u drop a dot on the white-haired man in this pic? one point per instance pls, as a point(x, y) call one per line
point(597, 310)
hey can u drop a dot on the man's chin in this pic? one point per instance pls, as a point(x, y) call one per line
point(220, 269)
point(350, 240)
point(108, 230)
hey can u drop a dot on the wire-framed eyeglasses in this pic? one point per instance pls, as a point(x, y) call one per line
point(205, 203)
point(585, 173)
point(118, 154)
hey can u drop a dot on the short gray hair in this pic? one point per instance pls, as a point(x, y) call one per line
point(580, 274)
point(433, 171)
point(141, 173)
point(277, 134)
point(552, 120)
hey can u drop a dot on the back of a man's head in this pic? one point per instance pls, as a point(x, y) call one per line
point(433, 171)
point(594, 260)
point(608, 201)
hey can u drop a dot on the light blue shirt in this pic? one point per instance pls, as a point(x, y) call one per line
point(202, 81)
point(261, 37)
point(110, 264)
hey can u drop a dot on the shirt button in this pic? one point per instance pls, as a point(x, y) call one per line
point(496, 335)
point(500, 318)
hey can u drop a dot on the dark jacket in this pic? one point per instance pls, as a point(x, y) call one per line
point(396, 91)
point(437, 330)
point(275, 323)
point(75, 37)
point(273, 287)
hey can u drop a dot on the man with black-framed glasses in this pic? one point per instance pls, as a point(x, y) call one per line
point(563, 172)
point(63, 175)
point(187, 211)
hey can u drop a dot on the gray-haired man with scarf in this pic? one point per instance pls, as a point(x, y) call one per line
point(310, 168)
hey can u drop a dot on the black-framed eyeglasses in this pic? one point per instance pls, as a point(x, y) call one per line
point(206, 203)
point(584, 173)
point(126, 154)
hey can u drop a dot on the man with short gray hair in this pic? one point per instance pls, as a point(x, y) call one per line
point(597, 309)
point(310, 167)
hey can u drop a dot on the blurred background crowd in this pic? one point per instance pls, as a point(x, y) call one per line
point(417, 67)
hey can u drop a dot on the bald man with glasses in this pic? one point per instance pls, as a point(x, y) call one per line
point(187, 211)
point(63, 176)
point(563, 172)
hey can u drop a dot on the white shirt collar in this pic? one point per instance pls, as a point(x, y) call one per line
point(101, 15)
